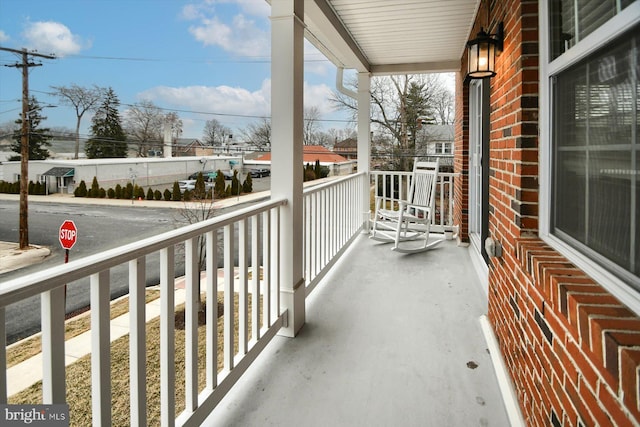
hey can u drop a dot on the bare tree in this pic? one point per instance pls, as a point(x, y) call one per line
point(310, 130)
point(82, 99)
point(400, 104)
point(215, 133)
point(199, 208)
point(143, 123)
point(172, 119)
point(259, 134)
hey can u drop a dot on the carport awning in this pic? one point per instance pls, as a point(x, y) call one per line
point(60, 172)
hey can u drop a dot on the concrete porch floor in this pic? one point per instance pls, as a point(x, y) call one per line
point(390, 340)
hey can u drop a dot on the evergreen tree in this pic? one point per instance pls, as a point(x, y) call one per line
point(219, 189)
point(150, 194)
point(176, 193)
point(108, 139)
point(199, 192)
point(95, 188)
point(38, 137)
point(235, 184)
point(247, 186)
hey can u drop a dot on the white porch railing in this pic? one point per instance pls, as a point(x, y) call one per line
point(397, 185)
point(252, 234)
point(332, 218)
point(247, 239)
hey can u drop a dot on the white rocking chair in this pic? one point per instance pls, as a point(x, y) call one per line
point(412, 221)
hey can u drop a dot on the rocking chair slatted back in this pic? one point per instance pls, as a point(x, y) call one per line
point(423, 183)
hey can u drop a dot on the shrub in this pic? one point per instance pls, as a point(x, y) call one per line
point(247, 185)
point(157, 195)
point(128, 193)
point(186, 195)
point(139, 192)
point(102, 193)
point(81, 190)
point(235, 184)
point(95, 188)
point(219, 189)
point(31, 187)
point(111, 193)
point(176, 193)
point(167, 195)
point(118, 191)
point(150, 194)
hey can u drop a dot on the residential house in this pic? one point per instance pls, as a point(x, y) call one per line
point(347, 148)
point(545, 202)
point(191, 147)
point(337, 164)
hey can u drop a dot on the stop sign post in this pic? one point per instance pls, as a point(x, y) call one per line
point(68, 236)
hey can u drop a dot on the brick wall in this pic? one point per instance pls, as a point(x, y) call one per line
point(572, 349)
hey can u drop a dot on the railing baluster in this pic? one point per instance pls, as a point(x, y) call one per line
point(255, 277)
point(266, 269)
point(192, 293)
point(212, 309)
point(167, 337)
point(100, 350)
point(53, 367)
point(243, 303)
point(3, 357)
point(228, 298)
point(275, 265)
point(137, 343)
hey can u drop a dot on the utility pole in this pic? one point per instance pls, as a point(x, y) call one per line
point(24, 148)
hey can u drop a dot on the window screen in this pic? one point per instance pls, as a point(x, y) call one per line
point(596, 178)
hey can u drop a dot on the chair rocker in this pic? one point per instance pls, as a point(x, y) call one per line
point(412, 221)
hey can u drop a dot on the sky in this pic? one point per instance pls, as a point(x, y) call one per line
point(211, 57)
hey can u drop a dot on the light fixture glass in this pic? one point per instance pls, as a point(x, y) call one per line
point(482, 54)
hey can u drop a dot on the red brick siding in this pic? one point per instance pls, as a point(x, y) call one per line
point(571, 348)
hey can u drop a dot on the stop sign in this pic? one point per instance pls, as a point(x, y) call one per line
point(68, 234)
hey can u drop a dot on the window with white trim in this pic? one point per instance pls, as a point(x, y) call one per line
point(594, 131)
point(443, 148)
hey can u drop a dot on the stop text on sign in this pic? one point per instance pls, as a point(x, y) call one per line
point(68, 234)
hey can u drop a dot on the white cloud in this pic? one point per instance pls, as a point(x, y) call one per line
point(52, 37)
point(218, 99)
point(242, 36)
point(239, 27)
point(231, 101)
point(318, 96)
point(3, 37)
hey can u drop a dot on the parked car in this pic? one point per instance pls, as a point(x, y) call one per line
point(187, 184)
point(227, 174)
point(259, 172)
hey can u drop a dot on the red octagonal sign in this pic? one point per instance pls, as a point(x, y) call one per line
point(68, 234)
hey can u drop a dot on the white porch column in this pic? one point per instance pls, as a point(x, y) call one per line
point(364, 140)
point(287, 74)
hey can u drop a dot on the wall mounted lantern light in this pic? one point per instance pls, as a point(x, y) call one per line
point(482, 53)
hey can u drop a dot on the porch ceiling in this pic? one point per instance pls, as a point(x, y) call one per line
point(391, 37)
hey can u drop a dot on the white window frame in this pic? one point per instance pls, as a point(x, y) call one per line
point(607, 32)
